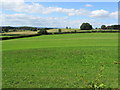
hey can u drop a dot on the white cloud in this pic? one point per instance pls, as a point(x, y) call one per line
point(11, 4)
point(114, 15)
point(12, 0)
point(20, 6)
point(88, 5)
point(38, 8)
point(104, 14)
point(29, 20)
point(100, 13)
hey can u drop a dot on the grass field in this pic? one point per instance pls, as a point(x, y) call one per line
point(63, 30)
point(5, 36)
point(21, 32)
point(55, 61)
point(78, 30)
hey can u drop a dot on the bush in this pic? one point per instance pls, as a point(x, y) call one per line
point(43, 31)
point(75, 31)
point(103, 27)
point(66, 27)
point(59, 30)
point(86, 26)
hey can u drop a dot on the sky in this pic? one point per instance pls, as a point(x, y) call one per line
point(58, 14)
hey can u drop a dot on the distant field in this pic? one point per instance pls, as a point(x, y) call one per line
point(51, 31)
point(61, 61)
point(63, 30)
point(22, 32)
point(77, 30)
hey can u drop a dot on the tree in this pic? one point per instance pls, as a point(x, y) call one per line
point(34, 29)
point(86, 26)
point(75, 31)
point(117, 27)
point(66, 27)
point(43, 31)
point(6, 30)
point(103, 27)
point(96, 28)
point(59, 30)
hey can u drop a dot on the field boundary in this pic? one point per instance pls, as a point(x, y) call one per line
point(33, 35)
point(15, 37)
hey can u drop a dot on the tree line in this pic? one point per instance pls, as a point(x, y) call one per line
point(87, 26)
point(14, 29)
point(84, 26)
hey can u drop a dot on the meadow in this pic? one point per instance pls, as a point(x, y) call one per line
point(61, 61)
point(78, 30)
point(21, 32)
point(5, 36)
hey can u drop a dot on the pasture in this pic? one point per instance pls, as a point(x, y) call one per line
point(5, 36)
point(21, 32)
point(77, 30)
point(61, 61)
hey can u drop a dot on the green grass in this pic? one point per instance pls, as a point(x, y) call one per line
point(5, 36)
point(63, 40)
point(55, 61)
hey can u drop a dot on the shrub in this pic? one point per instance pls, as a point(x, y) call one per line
point(42, 31)
point(103, 27)
point(86, 26)
point(59, 30)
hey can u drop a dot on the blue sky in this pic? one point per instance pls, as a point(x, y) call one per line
point(59, 14)
point(112, 6)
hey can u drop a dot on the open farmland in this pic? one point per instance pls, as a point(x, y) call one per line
point(63, 30)
point(77, 30)
point(55, 61)
point(21, 32)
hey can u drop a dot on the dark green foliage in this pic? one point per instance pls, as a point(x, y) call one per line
point(14, 30)
point(66, 27)
point(59, 30)
point(114, 27)
point(42, 31)
point(75, 31)
point(6, 30)
point(9, 28)
point(35, 29)
point(86, 26)
point(103, 27)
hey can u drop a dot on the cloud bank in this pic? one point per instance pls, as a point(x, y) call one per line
point(20, 6)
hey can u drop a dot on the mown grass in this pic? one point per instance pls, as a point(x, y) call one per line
point(63, 40)
point(55, 61)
